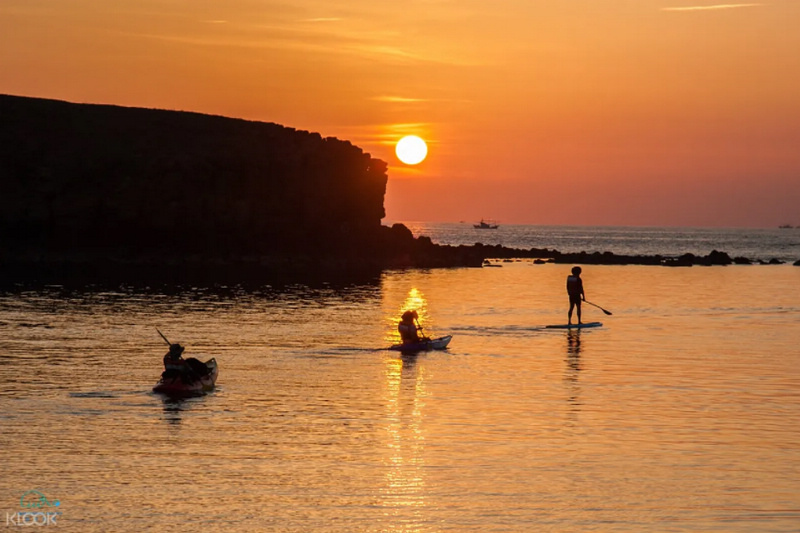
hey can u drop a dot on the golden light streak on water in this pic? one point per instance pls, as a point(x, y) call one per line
point(405, 477)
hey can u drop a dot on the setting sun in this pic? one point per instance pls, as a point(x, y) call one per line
point(411, 150)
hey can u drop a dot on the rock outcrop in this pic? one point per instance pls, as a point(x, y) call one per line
point(88, 178)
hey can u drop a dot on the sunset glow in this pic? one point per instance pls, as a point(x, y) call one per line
point(411, 150)
point(655, 112)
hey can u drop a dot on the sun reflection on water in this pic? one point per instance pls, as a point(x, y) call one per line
point(405, 441)
point(416, 301)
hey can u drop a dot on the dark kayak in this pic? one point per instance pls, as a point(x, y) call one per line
point(201, 380)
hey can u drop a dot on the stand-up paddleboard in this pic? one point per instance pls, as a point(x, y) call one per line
point(575, 326)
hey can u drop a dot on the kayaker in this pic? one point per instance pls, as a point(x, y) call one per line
point(188, 370)
point(575, 292)
point(407, 327)
point(173, 359)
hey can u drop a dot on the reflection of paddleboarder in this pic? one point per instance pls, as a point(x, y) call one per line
point(575, 292)
point(574, 346)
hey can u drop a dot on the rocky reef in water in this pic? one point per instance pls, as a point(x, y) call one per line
point(421, 252)
point(544, 255)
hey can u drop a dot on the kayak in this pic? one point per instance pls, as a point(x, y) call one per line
point(179, 384)
point(423, 346)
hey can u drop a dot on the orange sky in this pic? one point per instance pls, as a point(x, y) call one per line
point(646, 112)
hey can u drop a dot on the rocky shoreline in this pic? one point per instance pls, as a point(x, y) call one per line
point(714, 258)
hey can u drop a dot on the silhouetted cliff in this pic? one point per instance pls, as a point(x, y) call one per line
point(80, 178)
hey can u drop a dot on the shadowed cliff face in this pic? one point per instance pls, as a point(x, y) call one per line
point(137, 181)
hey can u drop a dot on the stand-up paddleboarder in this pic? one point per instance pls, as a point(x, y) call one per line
point(575, 292)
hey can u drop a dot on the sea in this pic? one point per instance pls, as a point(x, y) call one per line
point(678, 414)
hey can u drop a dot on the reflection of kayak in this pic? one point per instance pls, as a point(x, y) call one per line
point(432, 344)
point(576, 326)
point(181, 384)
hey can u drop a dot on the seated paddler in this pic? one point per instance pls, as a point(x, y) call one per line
point(173, 359)
point(409, 329)
point(188, 370)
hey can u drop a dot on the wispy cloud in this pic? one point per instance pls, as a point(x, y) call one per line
point(709, 7)
point(397, 99)
point(352, 37)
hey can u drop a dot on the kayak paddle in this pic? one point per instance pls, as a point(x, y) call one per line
point(163, 337)
point(423, 338)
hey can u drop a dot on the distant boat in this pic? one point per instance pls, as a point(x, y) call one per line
point(486, 224)
point(782, 226)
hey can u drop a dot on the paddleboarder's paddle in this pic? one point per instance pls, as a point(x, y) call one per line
point(600, 308)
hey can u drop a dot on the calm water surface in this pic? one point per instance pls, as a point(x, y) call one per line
point(680, 414)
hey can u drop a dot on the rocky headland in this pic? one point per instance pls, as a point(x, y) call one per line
point(106, 191)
